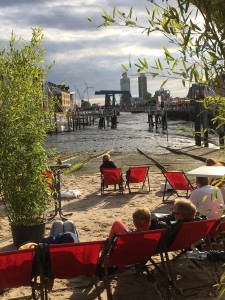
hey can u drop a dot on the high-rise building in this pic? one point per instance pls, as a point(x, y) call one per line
point(125, 86)
point(125, 82)
point(142, 86)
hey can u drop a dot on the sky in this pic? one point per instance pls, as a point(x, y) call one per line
point(86, 56)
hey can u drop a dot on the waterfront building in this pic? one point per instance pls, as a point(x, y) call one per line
point(142, 86)
point(62, 94)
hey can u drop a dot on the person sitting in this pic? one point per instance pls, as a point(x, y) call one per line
point(207, 199)
point(213, 181)
point(62, 232)
point(107, 163)
point(183, 209)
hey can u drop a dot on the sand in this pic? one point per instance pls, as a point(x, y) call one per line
point(93, 215)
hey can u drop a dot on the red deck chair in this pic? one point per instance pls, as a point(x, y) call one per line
point(137, 175)
point(178, 182)
point(73, 260)
point(16, 269)
point(181, 238)
point(130, 249)
point(113, 177)
point(217, 233)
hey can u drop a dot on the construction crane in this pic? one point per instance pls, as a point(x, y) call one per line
point(87, 90)
point(81, 96)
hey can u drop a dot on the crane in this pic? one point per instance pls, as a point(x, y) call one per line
point(81, 96)
point(87, 90)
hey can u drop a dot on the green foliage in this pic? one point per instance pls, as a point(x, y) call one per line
point(23, 126)
point(85, 104)
point(74, 168)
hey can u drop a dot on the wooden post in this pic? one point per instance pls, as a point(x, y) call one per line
point(107, 119)
point(197, 123)
point(205, 127)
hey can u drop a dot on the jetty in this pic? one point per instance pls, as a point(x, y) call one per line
point(79, 119)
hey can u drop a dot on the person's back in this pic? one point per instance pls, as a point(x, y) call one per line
point(207, 199)
point(107, 163)
point(216, 181)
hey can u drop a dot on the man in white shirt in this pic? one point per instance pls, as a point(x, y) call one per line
point(207, 199)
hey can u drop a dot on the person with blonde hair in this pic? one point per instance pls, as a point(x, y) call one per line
point(141, 221)
point(184, 209)
point(107, 163)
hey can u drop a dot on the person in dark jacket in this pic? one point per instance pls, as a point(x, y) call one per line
point(107, 163)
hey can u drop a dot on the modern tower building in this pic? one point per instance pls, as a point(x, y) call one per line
point(142, 86)
point(125, 86)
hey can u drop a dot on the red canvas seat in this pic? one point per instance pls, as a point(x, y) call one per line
point(190, 233)
point(129, 249)
point(73, 260)
point(217, 233)
point(112, 176)
point(16, 268)
point(178, 182)
point(137, 175)
point(181, 238)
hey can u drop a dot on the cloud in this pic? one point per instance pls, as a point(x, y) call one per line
point(82, 52)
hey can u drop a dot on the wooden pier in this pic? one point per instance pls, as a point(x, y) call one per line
point(78, 120)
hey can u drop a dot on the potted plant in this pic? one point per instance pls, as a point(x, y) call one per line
point(24, 121)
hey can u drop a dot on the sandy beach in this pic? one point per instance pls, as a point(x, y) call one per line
point(94, 214)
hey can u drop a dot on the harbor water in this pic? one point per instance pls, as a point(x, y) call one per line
point(132, 132)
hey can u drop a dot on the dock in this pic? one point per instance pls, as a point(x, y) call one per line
point(68, 122)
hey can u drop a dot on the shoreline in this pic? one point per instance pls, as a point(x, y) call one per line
point(94, 214)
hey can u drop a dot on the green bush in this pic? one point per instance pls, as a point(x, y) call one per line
point(23, 126)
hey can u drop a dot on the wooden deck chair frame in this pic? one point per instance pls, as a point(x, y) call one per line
point(137, 174)
point(73, 260)
point(129, 249)
point(111, 176)
point(181, 183)
point(181, 238)
point(21, 268)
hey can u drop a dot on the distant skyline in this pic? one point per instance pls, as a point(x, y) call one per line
point(81, 52)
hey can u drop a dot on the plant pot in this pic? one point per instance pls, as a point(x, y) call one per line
point(22, 234)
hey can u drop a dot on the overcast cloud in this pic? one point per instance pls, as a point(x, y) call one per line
point(82, 52)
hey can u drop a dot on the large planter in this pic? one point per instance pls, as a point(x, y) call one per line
point(22, 234)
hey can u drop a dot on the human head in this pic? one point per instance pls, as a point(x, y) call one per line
point(213, 162)
point(142, 218)
point(184, 209)
point(201, 181)
point(106, 157)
